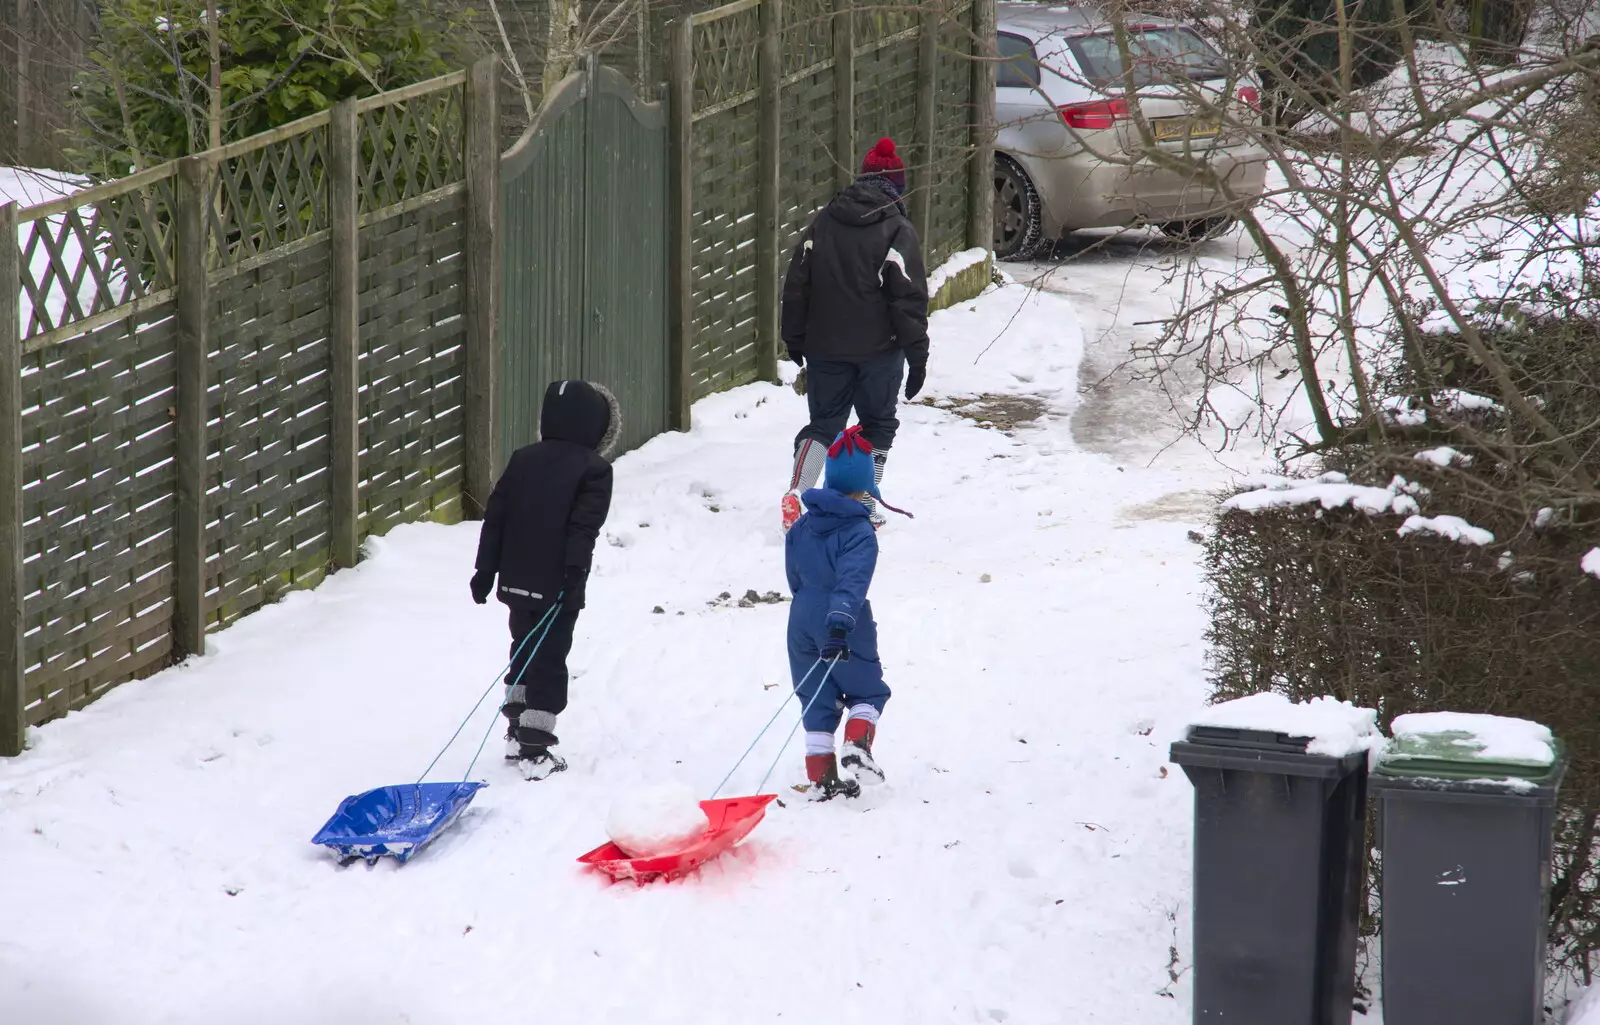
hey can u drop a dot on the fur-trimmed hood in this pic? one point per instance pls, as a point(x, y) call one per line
point(581, 412)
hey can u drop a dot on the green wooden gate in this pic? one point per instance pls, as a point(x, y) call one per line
point(583, 234)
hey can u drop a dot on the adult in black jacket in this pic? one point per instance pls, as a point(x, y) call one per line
point(538, 537)
point(855, 317)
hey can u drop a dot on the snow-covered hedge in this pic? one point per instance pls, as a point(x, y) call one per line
point(1432, 592)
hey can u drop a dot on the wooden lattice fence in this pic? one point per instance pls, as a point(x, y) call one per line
point(228, 370)
point(768, 122)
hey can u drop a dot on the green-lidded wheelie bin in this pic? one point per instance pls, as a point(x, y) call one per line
point(1466, 816)
point(1278, 837)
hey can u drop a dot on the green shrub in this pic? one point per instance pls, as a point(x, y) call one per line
point(146, 97)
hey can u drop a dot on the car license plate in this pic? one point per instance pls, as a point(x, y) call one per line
point(1185, 127)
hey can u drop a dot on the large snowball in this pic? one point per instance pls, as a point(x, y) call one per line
point(656, 820)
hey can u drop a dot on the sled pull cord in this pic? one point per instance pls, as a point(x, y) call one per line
point(549, 620)
point(781, 705)
point(768, 726)
point(792, 730)
point(546, 621)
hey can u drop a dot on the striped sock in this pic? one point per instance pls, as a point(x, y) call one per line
point(878, 459)
point(809, 459)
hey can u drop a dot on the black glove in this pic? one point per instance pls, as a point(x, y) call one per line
point(796, 357)
point(915, 376)
point(572, 581)
point(482, 584)
point(835, 648)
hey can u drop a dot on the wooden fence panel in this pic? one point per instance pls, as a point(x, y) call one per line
point(886, 97)
point(268, 484)
point(955, 114)
point(808, 164)
point(99, 506)
point(413, 297)
point(725, 186)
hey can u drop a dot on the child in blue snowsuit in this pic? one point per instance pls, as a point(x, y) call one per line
point(830, 554)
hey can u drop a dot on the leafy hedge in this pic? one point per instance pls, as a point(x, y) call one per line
point(145, 98)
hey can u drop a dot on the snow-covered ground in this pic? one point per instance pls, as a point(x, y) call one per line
point(1029, 861)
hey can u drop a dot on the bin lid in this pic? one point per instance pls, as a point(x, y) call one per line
point(1454, 747)
point(1251, 740)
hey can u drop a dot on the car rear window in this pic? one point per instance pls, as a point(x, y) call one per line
point(1019, 66)
point(1159, 55)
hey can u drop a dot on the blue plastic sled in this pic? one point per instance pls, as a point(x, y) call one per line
point(395, 821)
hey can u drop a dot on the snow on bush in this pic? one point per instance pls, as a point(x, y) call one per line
point(1444, 456)
point(1331, 491)
point(1490, 738)
point(1591, 562)
point(1398, 409)
point(656, 820)
point(1453, 528)
point(1457, 401)
point(1336, 728)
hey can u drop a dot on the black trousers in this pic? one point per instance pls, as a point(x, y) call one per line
point(871, 388)
point(542, 672)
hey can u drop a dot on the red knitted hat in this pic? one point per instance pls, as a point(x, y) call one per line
point(882, 159)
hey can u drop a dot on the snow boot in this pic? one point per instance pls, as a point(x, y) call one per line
point(515, 705)
point(790, 509)
point(858, 760)
point(542, 765)
point(809, 459)
point(534, 756)
point(826, 783)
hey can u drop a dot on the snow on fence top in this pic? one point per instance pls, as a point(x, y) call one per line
point(1483, 738)
point(1452, 527)
point(1331, 491)
point(1335, 728)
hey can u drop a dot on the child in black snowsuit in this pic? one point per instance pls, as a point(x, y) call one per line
point(538, 537)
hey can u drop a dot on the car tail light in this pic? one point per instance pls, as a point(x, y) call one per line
point(1100, 114)
point(1250, 98)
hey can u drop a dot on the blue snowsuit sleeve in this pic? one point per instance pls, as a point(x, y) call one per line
point(858, 559)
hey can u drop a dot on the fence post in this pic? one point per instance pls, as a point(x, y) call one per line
point(844, 89)
point(980, 187)
point(768, 224)
point(680, 246)
point(194, 315)
point(344, 341)
point(10, 85)
point(924, 168)
point(483, 286)
point(13, 666)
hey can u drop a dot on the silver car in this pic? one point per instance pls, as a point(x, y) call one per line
point(1068, 152)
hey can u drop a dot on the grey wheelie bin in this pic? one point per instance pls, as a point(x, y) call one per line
point(1278, 836)
point(1465, 835)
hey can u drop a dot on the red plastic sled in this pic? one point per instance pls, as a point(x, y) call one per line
point(732, 819)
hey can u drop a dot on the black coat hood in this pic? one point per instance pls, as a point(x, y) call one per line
point(865, 202)
point(583, 413)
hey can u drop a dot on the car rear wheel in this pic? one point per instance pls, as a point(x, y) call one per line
point(1198, 230)
point(1018, 219)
